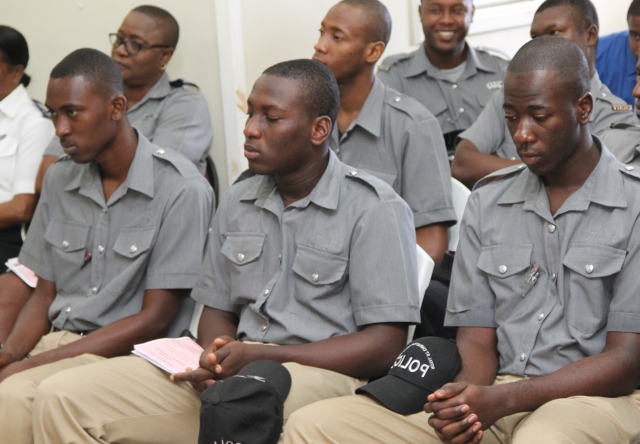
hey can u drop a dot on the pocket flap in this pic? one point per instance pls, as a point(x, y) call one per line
point(133, 242)
point(318, 267)
point(67, 236)
point(503, 261)
point(594, 261)
point(8, 146)
point(243, 248)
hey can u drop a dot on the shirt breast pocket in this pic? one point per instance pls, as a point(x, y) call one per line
point(507, 269)
point(246, 268)
point(319, 283)
point(68, 242)
point(590, 271)
point(132, 249)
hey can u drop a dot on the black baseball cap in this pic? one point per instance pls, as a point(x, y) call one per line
point(246, 408)
point(424, 366)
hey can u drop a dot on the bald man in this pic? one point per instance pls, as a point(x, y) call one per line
point(542, 288)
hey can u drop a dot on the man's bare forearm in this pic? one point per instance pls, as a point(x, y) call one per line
point(478, 350)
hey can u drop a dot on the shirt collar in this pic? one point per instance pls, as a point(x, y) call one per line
point(10, 105)
point(160, 90)
point(603, 186)
point(325, 194)
point(370, 116)
point(420, 63)
point(139, 177)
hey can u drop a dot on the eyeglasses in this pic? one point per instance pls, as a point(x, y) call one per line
point(132, 46)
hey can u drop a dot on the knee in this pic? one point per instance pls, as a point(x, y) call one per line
point(16, 388)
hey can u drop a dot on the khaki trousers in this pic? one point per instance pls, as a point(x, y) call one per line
point(128, 400)
point(579, 420)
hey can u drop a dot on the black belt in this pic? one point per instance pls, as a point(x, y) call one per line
point(78, 332)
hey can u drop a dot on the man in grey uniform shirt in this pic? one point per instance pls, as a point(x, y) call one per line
point(169, 114)
point(487, 146)
point(543, 288)
point(380, 130)
point(113, 252)
point(450, 78)
point(295, 259)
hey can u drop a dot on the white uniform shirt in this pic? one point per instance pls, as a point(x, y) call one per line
point(24, 134)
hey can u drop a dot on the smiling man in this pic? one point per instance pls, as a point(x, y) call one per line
point(289, 262)
point(543, 288)
point(450, 78)
point(113, 252)
point(486, 146)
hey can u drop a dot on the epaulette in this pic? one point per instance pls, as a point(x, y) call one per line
point(629, 170)
point(405, 103)
point(625, 126)
point(387, 63)
point(493, 52)
point(500, 174)
point(187, 86)
point(381, 188)
point(43, 109)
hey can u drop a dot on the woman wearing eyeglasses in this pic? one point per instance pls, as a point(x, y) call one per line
point(171, 114)
point(24, 134)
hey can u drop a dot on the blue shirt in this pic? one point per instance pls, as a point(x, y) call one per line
point(617, 65)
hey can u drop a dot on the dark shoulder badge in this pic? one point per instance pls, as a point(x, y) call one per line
point(43, 109)
point(625, 126)
point(187, 86)
point(500, 174)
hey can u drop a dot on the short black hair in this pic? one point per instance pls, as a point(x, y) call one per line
point(93, 65)
point(163, 16)
point(552, 53)
point(14, 49)
point(317, 85)
point(634, 9)
point(378, 19)
point(585, 12)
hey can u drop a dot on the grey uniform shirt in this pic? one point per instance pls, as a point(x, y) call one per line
point(175, 117)
point(327, 265)
point(101, 255)
point(491, 135)
point(624, 142)
point(588, 255)
point(397, 140)
point(456, 105)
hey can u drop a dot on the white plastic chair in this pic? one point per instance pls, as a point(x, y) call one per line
point(425, 269)
point(460, 195)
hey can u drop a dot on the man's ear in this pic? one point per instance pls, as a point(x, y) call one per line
point(584, 108)
point(374, 51)
point(321, 130)
point(592, 36)
point(167, 53)
point(118, 107)
point(16, 74)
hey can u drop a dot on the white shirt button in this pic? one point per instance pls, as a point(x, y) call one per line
point(454, 86)
point(553, 277)
point(551, 228)
point(266, 291)
point(629, 168)
point(100, 249)
point(502, 269)
point(65, 244)
point(240, 257)
point(264, 327)
point(522, 357)
point(540, 316)
point(397, 99)
point(161, 151)
point(68, 310)
point(314, 277)
point(104, 211)
point(604, 94)
point(353, 172)
point(94, 290)
point(133, 249)
point(461, 110)
point(337, 150)
point(588, 268)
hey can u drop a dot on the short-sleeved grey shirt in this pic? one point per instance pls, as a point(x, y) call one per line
point(103, 256)
point(457, 104)
point(491, 135)
point(623, 140)
point(397, 140)
point(171, 115)
point(327, 265)
point(588, 255)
